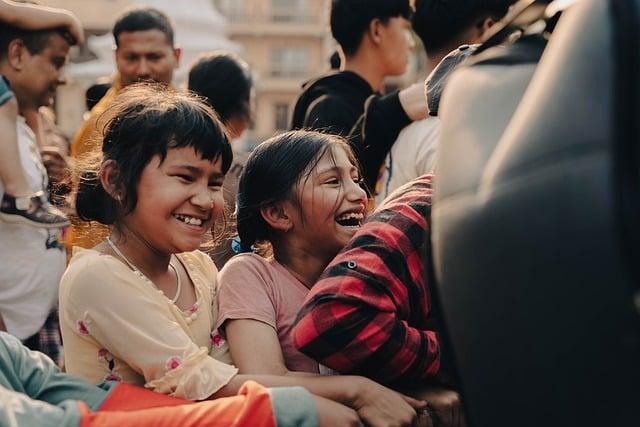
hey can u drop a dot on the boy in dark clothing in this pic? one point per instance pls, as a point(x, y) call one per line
point(375, 40)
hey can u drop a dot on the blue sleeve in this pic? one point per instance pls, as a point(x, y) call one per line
point(293, 406)
point(18, 410)
point(36, 376)
point(5, 91)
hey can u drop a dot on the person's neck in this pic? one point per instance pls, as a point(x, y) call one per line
point(364, 64)
point(140, 253)
point(303, 265)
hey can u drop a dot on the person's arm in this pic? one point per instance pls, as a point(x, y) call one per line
point(11, 173)
point(36, 17)
point(18, 409)
point(376, 405)
point(351, 320)
point(37, 376)
point(253, 405)
point(255, 348)
point(24, 394)
point(377, 129)
point(445, 404)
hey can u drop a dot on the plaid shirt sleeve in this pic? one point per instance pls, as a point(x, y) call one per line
point(368, 312)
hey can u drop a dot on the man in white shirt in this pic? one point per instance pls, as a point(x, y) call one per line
point(442, 25)
point(32, 260)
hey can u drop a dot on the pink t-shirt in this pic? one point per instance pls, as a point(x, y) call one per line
point(252, 287)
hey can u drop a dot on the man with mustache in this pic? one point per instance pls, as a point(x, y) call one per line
point(145, 51)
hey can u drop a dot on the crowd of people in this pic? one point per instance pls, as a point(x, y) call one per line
point(192, 283)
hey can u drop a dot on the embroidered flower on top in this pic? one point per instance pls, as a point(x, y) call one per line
point(216, 339)
point(173, 362)
point(82, 327)
point(103, 354)
point(105, 357)
point(112, 377)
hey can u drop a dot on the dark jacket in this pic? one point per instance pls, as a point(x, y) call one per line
point(344, 103)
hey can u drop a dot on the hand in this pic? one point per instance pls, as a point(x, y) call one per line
point(446, 404)
point(56, 164)
point(414, 101)
point(331, 413)
point(380, 406)
point(73, 25)
point(424, 419)
point(36, 17)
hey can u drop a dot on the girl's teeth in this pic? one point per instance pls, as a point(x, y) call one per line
point(189, 220)
point(351, 215)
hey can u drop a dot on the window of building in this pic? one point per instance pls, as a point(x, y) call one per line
point(282, 116)
point(232, 9)
point(289, 62)
point(289, 10)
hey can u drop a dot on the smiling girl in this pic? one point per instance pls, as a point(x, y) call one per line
point(140, 307)
point(301, 195)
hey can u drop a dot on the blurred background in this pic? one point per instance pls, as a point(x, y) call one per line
point(286, 42)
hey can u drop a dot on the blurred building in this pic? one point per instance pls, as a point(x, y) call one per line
point(285, 42)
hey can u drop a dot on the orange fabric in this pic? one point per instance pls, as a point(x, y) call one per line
point(127, 397)
point(251, 407)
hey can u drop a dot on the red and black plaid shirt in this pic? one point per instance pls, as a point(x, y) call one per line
point(368, 312)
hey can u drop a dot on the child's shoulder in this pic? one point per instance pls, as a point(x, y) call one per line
point(247, 260)
point(92, 266)
point(82, 258)
point(198, 260)
point(89, 271)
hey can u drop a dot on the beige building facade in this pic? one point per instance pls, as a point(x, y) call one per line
point(286, 42)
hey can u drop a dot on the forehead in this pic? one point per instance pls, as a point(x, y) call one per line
point(143, 41)
point(187, 156)
point(334, 156)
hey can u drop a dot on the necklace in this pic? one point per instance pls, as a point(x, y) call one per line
point(141, 274)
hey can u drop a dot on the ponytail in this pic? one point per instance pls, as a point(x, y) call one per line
point(93, 203)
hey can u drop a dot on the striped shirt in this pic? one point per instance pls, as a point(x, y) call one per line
point(369, 313)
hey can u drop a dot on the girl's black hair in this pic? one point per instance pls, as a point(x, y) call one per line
point(224, 80)
point(146, 120)
point(271, 173)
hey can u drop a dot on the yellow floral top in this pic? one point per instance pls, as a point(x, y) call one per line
point(118, 326)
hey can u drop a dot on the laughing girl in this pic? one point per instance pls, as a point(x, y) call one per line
point(141, 306)
point(300, 197)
